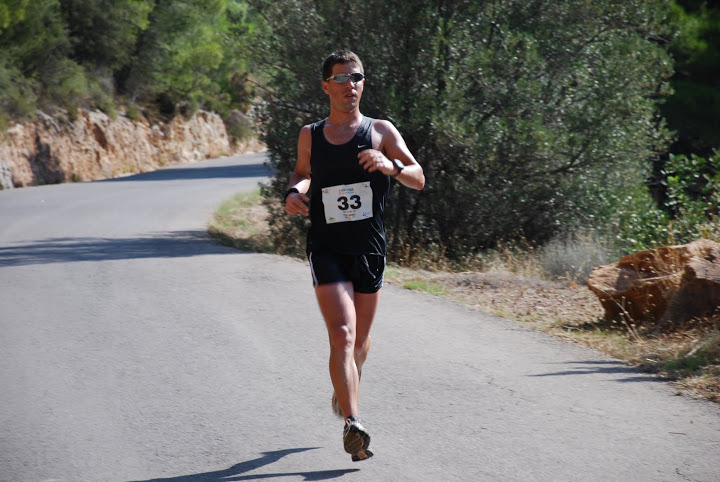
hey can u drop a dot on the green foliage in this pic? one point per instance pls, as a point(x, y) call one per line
point(637, 222)
point(35, 48)
point(524, 115)
point(694, 110)
point(695, 43)
point(691, 209)
point(154, 54)
point(693, 113)
point(104, 32)
point(693, 185)
point(12, 12)
point(17, 97)
point(179, 53)
point(36, 42)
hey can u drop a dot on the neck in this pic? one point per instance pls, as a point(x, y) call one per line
point(345, 119)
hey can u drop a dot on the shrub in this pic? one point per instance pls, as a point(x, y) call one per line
point(516, 110)
point(573, 256)
point(693, 196)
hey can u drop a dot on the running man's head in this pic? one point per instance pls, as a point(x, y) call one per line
point(339, 57)
point(343, 81)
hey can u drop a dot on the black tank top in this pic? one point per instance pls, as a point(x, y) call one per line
point(346, 202)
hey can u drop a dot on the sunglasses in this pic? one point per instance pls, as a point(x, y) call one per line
point(342, 78)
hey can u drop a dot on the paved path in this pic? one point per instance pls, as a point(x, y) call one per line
point(132, 347)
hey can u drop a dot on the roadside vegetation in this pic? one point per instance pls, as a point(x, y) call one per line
point(137, 58)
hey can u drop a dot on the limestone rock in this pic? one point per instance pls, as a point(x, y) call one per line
point(668, 284)
point(52, 150)
point(5, 177)
point(699, 292)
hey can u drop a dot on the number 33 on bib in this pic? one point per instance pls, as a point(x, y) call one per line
point(347, 202)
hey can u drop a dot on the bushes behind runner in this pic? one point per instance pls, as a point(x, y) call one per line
point(530, 119)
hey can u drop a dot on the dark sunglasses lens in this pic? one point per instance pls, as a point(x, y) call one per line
point(342, 78)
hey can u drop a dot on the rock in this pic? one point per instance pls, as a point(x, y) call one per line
point(668, 284)
point(699, 292)
point(6, 181)
point(52, 150)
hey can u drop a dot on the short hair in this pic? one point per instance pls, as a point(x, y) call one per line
point(339, 57)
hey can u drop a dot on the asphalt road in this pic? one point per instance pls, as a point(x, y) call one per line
point(135, 348)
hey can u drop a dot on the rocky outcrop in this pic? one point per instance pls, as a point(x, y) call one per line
point(668, 284)
point(52, 150)
point(6, 181)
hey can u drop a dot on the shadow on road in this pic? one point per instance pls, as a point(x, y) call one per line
point(197, 172)
point(65, 250)
point(609, 367)
point(235, 472)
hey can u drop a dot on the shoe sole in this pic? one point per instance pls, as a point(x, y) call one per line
point(363, 454)
point(356, 443)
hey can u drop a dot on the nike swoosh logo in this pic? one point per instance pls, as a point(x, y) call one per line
point(360, 147)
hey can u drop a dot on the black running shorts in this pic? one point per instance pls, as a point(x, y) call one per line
point(365, 271)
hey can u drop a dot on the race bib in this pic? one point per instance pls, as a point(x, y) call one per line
point(351, 202)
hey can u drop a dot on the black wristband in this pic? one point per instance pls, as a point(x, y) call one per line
point(290, 191)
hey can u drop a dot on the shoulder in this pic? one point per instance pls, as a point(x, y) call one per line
point(306, 132)
point(309, 130)
point(385, 135)
point(383, 127)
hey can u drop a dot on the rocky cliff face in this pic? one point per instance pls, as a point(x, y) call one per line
point(51, 150)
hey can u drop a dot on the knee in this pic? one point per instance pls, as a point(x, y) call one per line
point(341, 338)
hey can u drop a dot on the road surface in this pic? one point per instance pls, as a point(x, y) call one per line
point(135, 348)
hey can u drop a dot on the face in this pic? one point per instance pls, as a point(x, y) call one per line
point(346, 96)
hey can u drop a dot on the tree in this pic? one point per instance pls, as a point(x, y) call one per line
point(524, 115)
point(179, 53)
point(11, 12)
point(147, 54)
point(35, 47)
point(693, 111)
point(104, 32)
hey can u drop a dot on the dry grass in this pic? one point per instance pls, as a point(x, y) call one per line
point(241, 222)
point(513, 283)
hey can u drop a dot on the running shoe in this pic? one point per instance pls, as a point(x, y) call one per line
point(356, 440)
point(336, 406)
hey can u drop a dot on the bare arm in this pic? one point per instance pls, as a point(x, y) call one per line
point(295, 203)
point(391, 145)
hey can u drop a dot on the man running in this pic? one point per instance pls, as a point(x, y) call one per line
point(350, 159)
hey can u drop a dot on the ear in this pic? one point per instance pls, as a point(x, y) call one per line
point(325, 87)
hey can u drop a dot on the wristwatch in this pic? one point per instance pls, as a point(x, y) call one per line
point(399, 166)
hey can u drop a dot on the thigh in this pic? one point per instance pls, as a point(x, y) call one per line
point(337, 304)
point(365, 308)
